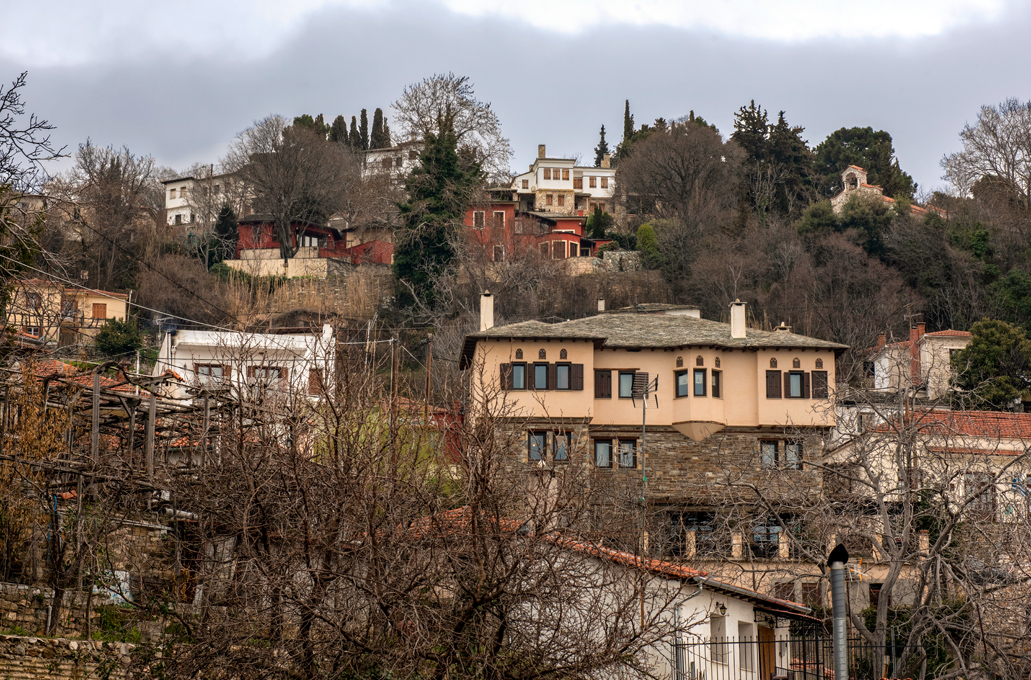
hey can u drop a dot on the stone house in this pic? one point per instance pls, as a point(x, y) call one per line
point(856, 185)
point(728, 409)
point(560, 186)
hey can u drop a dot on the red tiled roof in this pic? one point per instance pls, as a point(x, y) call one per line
point(981, 452)
point(875, 186)
point(949, 333)
point(967, 423)
point(856, 167)
point(660, 567)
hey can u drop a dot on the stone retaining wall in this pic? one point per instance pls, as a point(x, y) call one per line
point(31, 658)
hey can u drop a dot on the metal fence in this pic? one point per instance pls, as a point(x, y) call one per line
point(787, 658)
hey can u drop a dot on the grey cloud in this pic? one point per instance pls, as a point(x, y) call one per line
point(547, 88)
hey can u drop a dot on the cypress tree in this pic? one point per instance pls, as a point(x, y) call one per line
point(628, 122)
point(379, 139)
point(601, 149)
point(338, 130)
point(353, 138)
point(363, 129)
point(386, 133)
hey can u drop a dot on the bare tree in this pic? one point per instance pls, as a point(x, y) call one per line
point(998, 148)
point(24, 141)
point(294, 174)
point(117, 201)
point(443, 102)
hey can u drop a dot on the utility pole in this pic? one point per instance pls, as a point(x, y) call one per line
point(429, 374)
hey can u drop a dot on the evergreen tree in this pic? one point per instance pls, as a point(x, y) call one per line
point(386, 134)
point(227, 232)
point(628, 123)
point(338, 130)
point(316, 124)
point(995, 365)
point(870, 150)
point(751, 127)
point(438, 191)
point(599, 223)
point(379, 139)
point(354, 138)
point(648, 245)
point(363, 130)
point(601, 149)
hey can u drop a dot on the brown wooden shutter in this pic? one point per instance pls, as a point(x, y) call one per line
point(805, 385)
point(603, 384)
point(250, 371)
point(506, 376)
point(227, 371)
point(576, 377)
point(787, 384)
point(552, 376)
point(820, 385)
point(773, 384)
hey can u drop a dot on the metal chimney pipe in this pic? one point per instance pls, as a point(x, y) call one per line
point(837, 560)
point(486, 311)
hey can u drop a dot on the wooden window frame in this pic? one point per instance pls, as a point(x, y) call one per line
point(619, 453)
point(603, 383)
point(531, 435)
point(716, 384)
point(479, 219)
point(774, 386)
point(703, 383)
point(536, 365)
point(568, 368)
point(677, 375)
point(594, 449)
point(619, 384)
point(521, 365)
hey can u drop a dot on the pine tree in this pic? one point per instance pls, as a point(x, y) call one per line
point(601, 149)
point(628, 122)
point(363, 130)
point(439, 191)
point(353, 137)
point(338, 130)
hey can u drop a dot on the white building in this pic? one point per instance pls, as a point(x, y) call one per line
point(559, 185)
point(282, 364)
point(190, 200)
point(395, 161)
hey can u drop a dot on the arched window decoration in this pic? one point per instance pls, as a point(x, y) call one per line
point(562, 354)
point(519, 354)
point(717, 362)
point(795, 363)
point(542, 354)
point(680, 362)
point(819, 363)
point(773, 362)
point(699, 361)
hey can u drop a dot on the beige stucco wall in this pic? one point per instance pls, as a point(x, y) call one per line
point(936, 362)
point(266, 262)
point(743, 401)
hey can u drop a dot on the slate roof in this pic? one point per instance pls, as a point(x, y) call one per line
point(646, 331)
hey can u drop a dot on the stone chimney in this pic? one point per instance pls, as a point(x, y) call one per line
point(601, 304)
point(738, 329)
point(541, 153)
point(606, 160)
point(915, 333)
point(782, 328)
point(486, 311)
point(882, 340)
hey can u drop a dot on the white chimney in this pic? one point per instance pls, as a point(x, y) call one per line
point(738, 328)
point(601, 304)
point(486, 311)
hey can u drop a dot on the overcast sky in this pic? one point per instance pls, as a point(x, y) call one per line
point(180, 80)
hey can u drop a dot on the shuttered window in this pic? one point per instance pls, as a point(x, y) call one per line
point(796, 385)
point(716, 384)
point(576, 377)
point(820, 389)
point(773, 385)
point(540, 376)
point(603, 384)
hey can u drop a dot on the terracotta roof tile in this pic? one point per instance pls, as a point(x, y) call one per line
point(966, 423)
point(949, 333)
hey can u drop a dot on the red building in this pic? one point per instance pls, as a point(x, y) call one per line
point(258, 232)
point(502, 231)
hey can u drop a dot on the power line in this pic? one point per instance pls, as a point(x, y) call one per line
point(159, 272)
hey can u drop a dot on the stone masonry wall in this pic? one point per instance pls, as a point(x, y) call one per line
point(30, 658)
